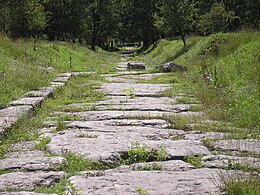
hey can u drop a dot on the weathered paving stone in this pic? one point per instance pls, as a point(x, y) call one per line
point(29, 180)
point(107, 115)
point(62, 79)
point(172, 166)
point(31, 161)
point(32, 101)
point(10, 115)
point(23, 193)
point(242, 145)
point(117, 122)
point(198, 181)
point(122, 89)
point(106, 146)
point(57, 84)
point(208, 135)
point(42, 92)
point(224, 161)
point(135, 66)
point(22, 146)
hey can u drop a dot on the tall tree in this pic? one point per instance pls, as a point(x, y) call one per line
point(174, 17)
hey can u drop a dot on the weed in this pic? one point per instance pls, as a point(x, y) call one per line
point(129, 92)
point(142, 191)
point(240, 183)
point(84, 135)
point(139, 153)
point(42, 144)
point(60, 126)
point(76, 163)
point(4, 171)
point(177, 137)
point(58, 188)
point(195, 161)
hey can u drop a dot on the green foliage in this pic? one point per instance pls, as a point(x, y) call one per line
point(222, 72)
point(217, 20)
point(142, 191)
point(75, 163)
point(244, 184)
point(23, 69)
point(42, 144)
point(139, 153)
point(58, 188)
point(195, 161)
point(152, 167)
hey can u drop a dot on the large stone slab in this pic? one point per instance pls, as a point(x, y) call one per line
point(242, 145)
point(117, 123)
point(172, 166)
point(208, 135)
point(224, 161)
point(199, 181)
point(135, 66)
point(31, 161)
point(10, 115)
point(123, 89)
point(23, 193)
point(32, 101)
point(114, 114)
point(29, 180)
point(107, 146)
point(171, 67)
point(42, 92)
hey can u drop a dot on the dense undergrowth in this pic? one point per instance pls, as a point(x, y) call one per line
point(25, 65)
point(224, 68)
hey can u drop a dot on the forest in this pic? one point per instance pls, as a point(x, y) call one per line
point(107, 22)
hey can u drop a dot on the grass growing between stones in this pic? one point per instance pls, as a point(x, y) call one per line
point(42, 145)
point(76, 163)
point(195, 161)
point(139, 154)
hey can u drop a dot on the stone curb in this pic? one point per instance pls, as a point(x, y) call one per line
point(25, 105)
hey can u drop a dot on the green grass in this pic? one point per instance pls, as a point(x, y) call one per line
point(195, 161)
point(222, 74)
point(139, 154)
point(19, 64)
point(42, 144)
point(79, 89)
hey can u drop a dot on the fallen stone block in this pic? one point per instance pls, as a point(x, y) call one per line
point(135, 66)
point(171, 67)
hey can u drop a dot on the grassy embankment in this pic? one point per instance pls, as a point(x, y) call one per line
point(22, 68)
point(224, 76)
point(224, 69)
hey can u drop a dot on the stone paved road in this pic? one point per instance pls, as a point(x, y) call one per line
point(110, 131)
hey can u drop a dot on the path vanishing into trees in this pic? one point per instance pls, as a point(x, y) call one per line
point(130, 128)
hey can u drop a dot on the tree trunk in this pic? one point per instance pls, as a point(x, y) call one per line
point(183, 37)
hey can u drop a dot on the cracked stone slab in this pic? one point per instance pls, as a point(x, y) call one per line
point(107, 115)
point(23, 193)
point(208, 135)
point(31, 161)
point(117, 122)
point(145, 77)
point(224, 161)
point(242, 145)
point(119, 80)
point(10, 115)
point(121, 89)
point(106, 146)
point(32, 101)
point(62, 79)
point(198, 181)
point(22, 146)
point(172, 166)
point(42, 92)
point(29, 180)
